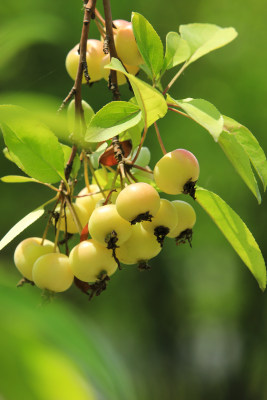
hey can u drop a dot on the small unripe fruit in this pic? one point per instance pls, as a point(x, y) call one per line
point(88, 201)
point(106, 226)
point(90, 260)
point(138, 202)
point(81, 213)
point(53, 272)
point(121, 80)
point(28, 251)
point(94, 55)
point(142, 246)
point(164, 221)
point(143, 158)
point(186, 218)
point(126, 46)
point(177, 172)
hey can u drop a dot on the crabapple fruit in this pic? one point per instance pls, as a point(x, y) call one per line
point(177, 172)
point(89, 260)
point(143, 158)
point(138, 202)
point(53, 272)
point(186, 218)
point(88, 201)
point(164, 221)
point(28, 251)
point(107, 227)
point(125, 44)
point(121, 79)
point(142, 246)
point(81, 213)
point(94, 55)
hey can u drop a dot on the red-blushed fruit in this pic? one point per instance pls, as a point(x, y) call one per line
point(186, 218)
point(131, 69)
point(107, 227)
point(94, 55)
point(141, 247)
point(90, 261)
point(28, 251)
point(138, 202)
point(164, 221)
point(176, 172)
point(81, 213)
point(126, 46)
point(53, 272)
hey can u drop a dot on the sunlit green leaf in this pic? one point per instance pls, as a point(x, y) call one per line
point(204, 38)
point(250, 145)
point(113, 119)
point(235, 231)
point(177, 50)
point(238, 157)
point(203, 112)
point(17, 179)
point(150, 100)
point(148, 42)
point(32, 145)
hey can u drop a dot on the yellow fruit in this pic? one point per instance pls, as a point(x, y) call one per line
point(28, 251)
point(186, 218)
point(89, 260)
point(81, 213)
point(126, 46)
point(53, 272)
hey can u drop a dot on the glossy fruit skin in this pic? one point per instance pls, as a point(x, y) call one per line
point(175, 169)
point(166, 217)
point(137, 198)
point(186, 218)
point(82, 214)
point(142, 246)
point(94, 55)
point(89, 259)
point(126, 46)
point(105, 220)
point(28, 251)
point(121, 80)
point(53, 272)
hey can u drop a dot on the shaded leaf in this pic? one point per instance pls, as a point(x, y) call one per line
point(250, 145)
point(95, 156)
point(113, 119)
point(238, 157)
point(235, 231)
point(148, 42)
point(177, 51)
point(204, 38)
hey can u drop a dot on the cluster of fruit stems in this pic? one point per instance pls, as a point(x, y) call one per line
point(123, 170)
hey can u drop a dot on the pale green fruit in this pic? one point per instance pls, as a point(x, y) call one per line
point(106, 223)
point(142, 246)
point(94, 57)
point(53, 272)
point(176, 169)
point(89, 260)
point(89, 201)
point(143, 158)
point(28, 251)
point(121, 80)
point(81, 213)
point(186, 218)
point(164, 221)
point(138, 202)
point(126, 46)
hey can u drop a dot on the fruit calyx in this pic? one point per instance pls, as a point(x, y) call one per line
point(190, 188)
point(185, 236)
point(142, 217)
point(161, 232)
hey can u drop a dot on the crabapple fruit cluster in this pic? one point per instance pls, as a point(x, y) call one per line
point(127, 226)
point(96, 59)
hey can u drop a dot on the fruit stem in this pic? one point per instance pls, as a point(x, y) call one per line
point(181, 70)
point(95, 177)
point(58, 226)
point(140, 144)
point(49, 222)
point(160, 139)
point(86, 177)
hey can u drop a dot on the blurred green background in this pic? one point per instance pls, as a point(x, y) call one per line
point(195, 326)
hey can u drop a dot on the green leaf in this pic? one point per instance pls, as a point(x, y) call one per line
point(113, 119)
point(238, 157)
point(32, 145)
point(148, 42)
point(177, 51)
point(21, 226)
point(150, 100)
point(95, 156)
point(17, 179)
point(9, 157)
point(135, 133)
point(250, 145)
point(235, 231)
point(203, 112)
point(204, 38)
point(76, 162)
